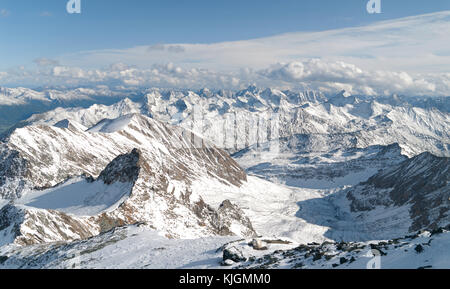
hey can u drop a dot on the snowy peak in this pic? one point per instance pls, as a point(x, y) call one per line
point(418, 125)
point(424, 170)
point(70, 124)
point(138, 170)
point(343, 98)
point(20, 96)
point(205, 92)
point(112, 125)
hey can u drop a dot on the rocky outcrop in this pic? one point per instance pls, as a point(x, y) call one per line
point(230, 216)
point(13, 173)
point(124, 168)
point(402, 252)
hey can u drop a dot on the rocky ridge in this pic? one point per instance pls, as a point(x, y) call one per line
point(157, 160)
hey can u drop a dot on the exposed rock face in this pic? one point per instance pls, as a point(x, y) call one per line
point(421, 183)
point(231, 216)
point(124, 168)
point(13, 173)
point(157, 160)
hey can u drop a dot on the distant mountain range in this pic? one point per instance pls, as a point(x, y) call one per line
point(228, 118)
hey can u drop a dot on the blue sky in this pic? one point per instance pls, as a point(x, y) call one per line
point(32, 29)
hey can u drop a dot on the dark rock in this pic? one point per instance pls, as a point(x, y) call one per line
point(123, 168)
point(234, 254)
point(419, 249)
point(317, 256)
point(3, 259)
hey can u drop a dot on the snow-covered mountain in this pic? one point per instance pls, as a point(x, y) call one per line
point(321, 168)
point(420, 184)
point(410, 196)
point(66, 184)
point(22, 96)
point(235, 121)
point(17, 104)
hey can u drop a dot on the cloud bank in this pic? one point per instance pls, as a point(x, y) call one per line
point(314, 74)
point(405, 56)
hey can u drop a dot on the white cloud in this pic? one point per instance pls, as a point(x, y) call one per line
point(340, 75)
point(317, 74)
point(161, 75)
point(412, 44)
point(403, 56)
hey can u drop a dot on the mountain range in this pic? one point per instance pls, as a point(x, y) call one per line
point(89, 169)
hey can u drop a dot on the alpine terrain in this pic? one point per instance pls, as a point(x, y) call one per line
point(256, 178)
